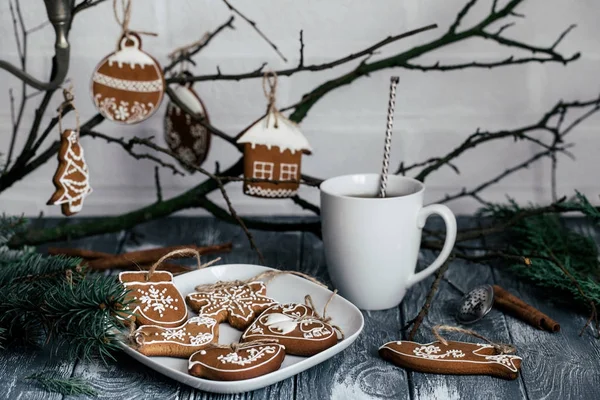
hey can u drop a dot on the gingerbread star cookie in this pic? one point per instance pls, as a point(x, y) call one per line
point(152, 299)
point(238, 305)
point(295, 326)
point(236, 363)
point(453, 358)
point(183, 341)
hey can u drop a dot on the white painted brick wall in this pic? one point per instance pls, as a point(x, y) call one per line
point(435, 111)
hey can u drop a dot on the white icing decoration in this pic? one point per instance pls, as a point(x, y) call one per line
point(74, 191)
point(130, 55)
point(257, 190)
point(180, 335)
point(280, 323)
point(273, 354)
point(239, 301)
point(287, 135)
point(254, 354)
point(156, 300)
point(430, 352)
point(187, 97)
point(123, 111)
point(310, 328)
point(127, 84)
point(503, 359)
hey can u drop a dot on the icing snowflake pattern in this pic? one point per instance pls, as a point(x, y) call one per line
point(156, 300)
point(197, 331)
point(238, 301)
point(254, 354)
point(430, 352)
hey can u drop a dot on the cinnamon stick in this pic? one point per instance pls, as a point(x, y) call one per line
point(516, 307)
point(81, 253)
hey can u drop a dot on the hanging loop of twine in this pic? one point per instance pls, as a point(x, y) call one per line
point(124, 22)
point(269, 84)
point(501, 348)
point(183, 52)
point(69, 101)
point(266, 276)
point(323, 318)
point(180, 252)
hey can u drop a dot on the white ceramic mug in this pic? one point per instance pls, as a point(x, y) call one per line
point(372, 244)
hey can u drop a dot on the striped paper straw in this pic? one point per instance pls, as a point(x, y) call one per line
point(388, 136)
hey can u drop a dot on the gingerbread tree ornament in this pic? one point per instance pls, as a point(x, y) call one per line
point(273, 148)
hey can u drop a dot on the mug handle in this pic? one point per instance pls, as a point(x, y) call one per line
point(450, 221)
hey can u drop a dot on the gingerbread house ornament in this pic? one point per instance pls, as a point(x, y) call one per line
point(128, 85)
point(273, 148)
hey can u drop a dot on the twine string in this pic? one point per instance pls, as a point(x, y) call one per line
point(124, 22)
point(388, 136)
point(183, 51)
point(266, 276)
point(269, 84)
point(180, 252)
point(501, 348)
point(69, 101)
point(323, 318)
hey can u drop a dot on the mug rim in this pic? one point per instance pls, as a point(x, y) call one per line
point(323, 187)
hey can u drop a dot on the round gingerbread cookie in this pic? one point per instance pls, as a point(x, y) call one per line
point(234, 364)
point(238, 304)
point(183, 341)
point(295, 326)
point(128, 85)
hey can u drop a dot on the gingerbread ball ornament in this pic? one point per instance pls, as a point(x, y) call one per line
point(128, 85)
point(184, 135)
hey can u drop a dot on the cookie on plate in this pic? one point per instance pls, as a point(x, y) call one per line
point(237, 304)
point(294, 325)
point(183, 341)
point(152, 299)
point(236, 362)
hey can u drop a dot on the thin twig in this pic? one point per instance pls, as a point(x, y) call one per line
point(255, 27)
point(306, 205)
point(301, 62)
point(159, 196)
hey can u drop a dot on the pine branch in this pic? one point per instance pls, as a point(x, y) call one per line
point(66, 386)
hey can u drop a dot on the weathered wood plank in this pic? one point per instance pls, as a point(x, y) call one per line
point(555, 365)
point(357, 372)
point(135, 381)
point(465, 276)
point(18, 362)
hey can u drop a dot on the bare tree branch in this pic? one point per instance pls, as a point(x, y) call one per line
point(159, 196)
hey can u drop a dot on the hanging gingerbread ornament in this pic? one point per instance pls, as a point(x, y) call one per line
point(128, 85)
point(72, 178)
point(273, 148)
point(184, 134)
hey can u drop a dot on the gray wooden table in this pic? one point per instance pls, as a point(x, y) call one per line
point(555, 366)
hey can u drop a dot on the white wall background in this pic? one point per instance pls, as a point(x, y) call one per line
point(435, 111)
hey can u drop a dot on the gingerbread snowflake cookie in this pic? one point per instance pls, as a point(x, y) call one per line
point(238, 305)
point(296, 326)
point(453, 358)
point(237, 362)
point(72, 178)
point(152, 299)
point(183, 341)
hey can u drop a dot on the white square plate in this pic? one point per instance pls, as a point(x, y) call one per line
point(284, 289)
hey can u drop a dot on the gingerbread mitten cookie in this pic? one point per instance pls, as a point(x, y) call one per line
point(238, 304)
point(453, 358)
point(152, 299)
point(296, 326)
point(237, 362)
point(72, 178)
point(183, 341)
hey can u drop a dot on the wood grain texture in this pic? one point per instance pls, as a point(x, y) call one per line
point(465, 276)
point(18, 362)
point(358, 372)
point(559, 365)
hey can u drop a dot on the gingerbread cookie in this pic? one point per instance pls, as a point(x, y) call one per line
point(236, 362)
point(455, 358)
point(152, 299)
point(128, 85)
point(72, 178)
point(296, 326)
point(238, 304)
point(183, 341)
